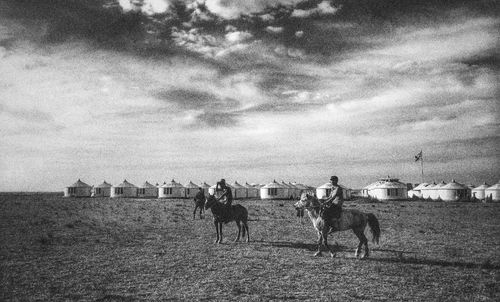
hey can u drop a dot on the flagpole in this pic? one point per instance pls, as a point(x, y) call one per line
point(422, 164)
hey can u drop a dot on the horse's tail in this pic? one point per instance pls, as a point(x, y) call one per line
point(374, 227)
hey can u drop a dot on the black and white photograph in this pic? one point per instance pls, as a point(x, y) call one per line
point(249, 150)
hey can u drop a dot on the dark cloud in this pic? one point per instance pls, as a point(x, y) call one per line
point(216, 120)
point(192, 99)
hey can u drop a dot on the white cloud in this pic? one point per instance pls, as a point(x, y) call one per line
point(149, 7)
point(238, 36)
point(274, 29)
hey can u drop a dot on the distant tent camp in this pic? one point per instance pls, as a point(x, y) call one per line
point(125, 189)
point(102, 190)
point(273, 190)
point(493, 193)
point(453, 191)
point(479, 193)
point(171, 190)
point(239, 191)
point(191, 189)
point(252, 191)
point(78, 189)
point(147, 190)
point(295, 190)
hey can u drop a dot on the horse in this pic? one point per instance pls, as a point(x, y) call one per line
point(237, 213)
point(350, 219)
point(198, 203)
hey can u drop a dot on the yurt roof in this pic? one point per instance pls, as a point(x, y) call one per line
point(441, 184)
point(420, 186)
point(205, 185)
point(191, 185)
point(79, 184)
point(373, 185)
point(494, 187)
point(104, 185)
point(292, 185)
point(391, 185)
point(125, 184)
point(248, 186)
point(300, 186)
point(273, 184)
point(284, 184)
point(482, 187)
point(172, 184)
point(236, 185)
point(147, 185)
point(430, 186)
point(453, 185)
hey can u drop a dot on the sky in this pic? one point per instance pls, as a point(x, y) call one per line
point(247, 90)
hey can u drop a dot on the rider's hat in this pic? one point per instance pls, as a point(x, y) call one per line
point(334, 178)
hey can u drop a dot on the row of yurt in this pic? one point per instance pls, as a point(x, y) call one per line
point(171, 189)
point(386, 189)
point(453, 191)
point(102, 190)
point(125, 189)
point(276, 190)
point(322, 192)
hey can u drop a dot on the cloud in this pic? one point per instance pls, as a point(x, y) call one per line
point(274, 29)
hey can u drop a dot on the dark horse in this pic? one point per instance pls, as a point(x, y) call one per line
point(237, 213)
point(198, 203)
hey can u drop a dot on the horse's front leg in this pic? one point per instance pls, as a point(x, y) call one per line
point(201, 211)
point(194, 212)
point(220, 231)
point(320, 241)
point(324, 234)
point(239, 231)
point(217, 230)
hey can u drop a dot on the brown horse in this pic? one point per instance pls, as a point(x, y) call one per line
point(222, 214)
point(349, 220)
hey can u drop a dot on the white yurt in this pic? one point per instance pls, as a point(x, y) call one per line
point(273, 190)
point(389, 189)
point(435, 191)
point(205, 188)
point(191, 189)
point(78, 189)
point(426, 191)
point(453, 191)
point(240, 191)
point(147, 190)
point(365, 192)
point(125, 189)
point(417, 191)
point(479, 192)
point(252, 192)
point(102, 190)
point(493, 193)
point(323, 191)
point(171, 189)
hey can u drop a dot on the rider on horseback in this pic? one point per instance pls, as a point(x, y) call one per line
point(226, 193)
point(332, 206)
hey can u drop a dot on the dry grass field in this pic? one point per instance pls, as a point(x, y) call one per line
point(54, 249)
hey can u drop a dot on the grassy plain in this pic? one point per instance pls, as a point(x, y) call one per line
point(104, 249)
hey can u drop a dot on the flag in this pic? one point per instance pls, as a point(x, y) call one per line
point(418, 156)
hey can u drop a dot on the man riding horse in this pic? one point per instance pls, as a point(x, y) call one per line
point(226, 194)
point(332, 207)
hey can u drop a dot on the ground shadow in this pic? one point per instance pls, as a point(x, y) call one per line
point(304, 246)
point(437, 262)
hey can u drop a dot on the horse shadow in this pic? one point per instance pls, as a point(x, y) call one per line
point(303, 246)
point(399, 256)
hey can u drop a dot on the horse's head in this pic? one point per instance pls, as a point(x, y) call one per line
point(210, 201)
point(306, 201)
